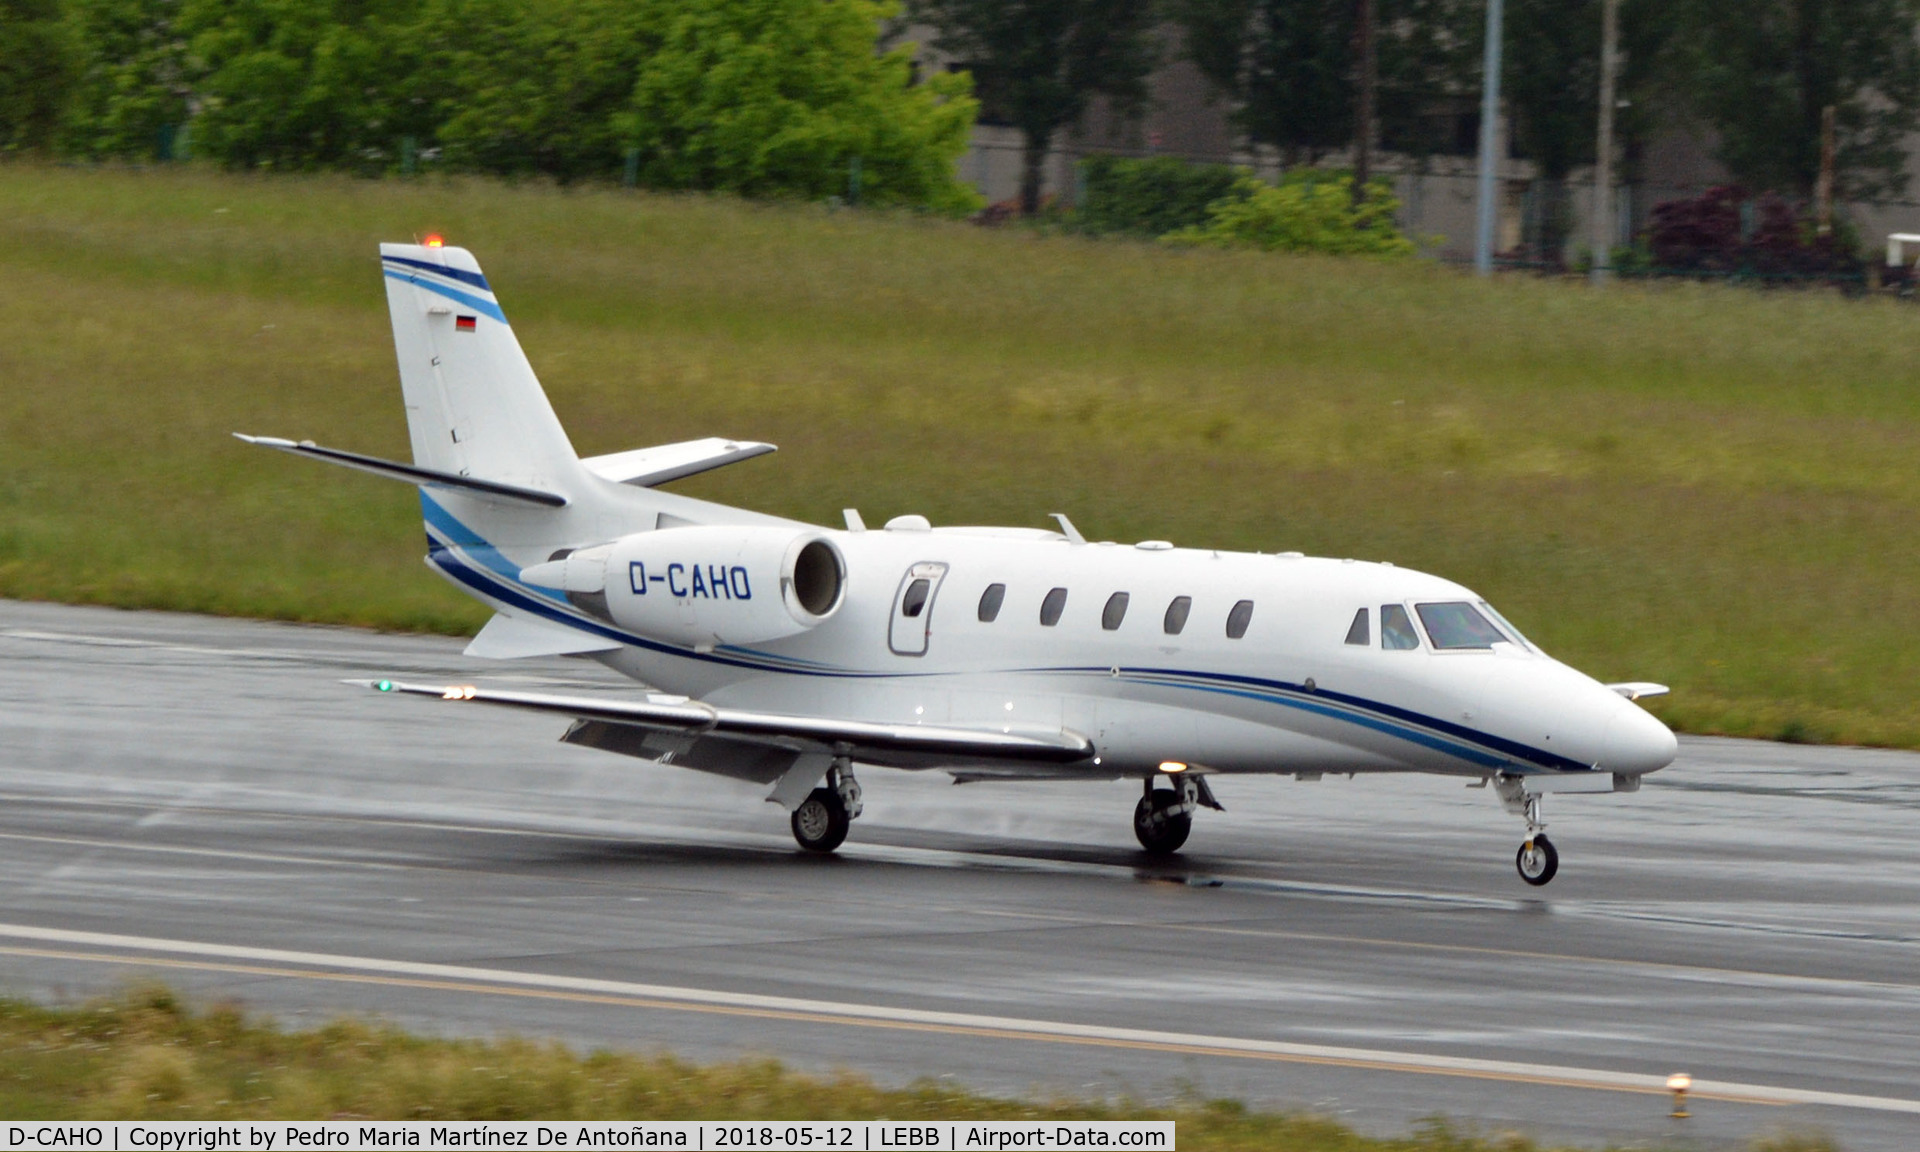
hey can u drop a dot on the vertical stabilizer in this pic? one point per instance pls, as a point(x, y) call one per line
point(474, 406)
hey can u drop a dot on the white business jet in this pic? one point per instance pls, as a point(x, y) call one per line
point(793, 652)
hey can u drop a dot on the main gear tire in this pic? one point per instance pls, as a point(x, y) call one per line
point(1160, 827)
point(820, 823)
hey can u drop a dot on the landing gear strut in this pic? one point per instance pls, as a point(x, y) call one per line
point(821, 822)
point(1164, 817)
point(1538, 860)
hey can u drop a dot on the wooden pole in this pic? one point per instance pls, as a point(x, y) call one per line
point(1363, 113)
point(1603, 147)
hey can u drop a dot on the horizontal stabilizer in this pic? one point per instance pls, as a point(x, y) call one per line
point(902, 744)
point(1639, 689)
point(411, 473)
point(512, 638)
point(645, 467)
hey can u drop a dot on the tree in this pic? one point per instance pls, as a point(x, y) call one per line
point(1551, 84)
point(35, 73)
point(1037, 64)
point(760, 96)
point(1293, 69)
point(1762, 72)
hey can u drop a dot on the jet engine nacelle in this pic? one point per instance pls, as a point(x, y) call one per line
point(703, 585)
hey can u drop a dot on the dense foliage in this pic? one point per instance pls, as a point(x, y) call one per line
point(1039, 65)
point(754, 96)
point(1307, 211)
point(1149, 197)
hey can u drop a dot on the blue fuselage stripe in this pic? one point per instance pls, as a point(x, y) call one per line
point(496, 578)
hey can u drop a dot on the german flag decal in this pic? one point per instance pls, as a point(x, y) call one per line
point(464, 323)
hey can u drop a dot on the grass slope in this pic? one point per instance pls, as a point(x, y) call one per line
point(1713, 488)
point(143, 1057)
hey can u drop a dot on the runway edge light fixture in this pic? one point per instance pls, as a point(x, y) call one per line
point(1678, 1084)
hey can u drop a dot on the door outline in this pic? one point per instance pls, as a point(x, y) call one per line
point(907, 634)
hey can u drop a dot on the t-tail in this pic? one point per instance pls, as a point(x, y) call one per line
point(501, 487)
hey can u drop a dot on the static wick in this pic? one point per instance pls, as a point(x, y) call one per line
point(1678, 1083)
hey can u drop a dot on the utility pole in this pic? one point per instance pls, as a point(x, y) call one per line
point(1363, 115)
point(1603, 147)
point(1823, 186)
point(1489, 141)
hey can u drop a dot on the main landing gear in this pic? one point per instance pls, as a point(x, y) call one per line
point(1164, 817)
point(1538, 860)
point(821, 822)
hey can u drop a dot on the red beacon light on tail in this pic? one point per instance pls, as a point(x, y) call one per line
point(434, 240)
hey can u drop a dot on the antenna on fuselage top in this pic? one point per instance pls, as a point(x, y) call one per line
point(1067, 529)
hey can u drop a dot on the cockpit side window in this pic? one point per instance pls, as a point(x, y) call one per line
point(1396, 629)
point(1357, 631)
point(1455, 625)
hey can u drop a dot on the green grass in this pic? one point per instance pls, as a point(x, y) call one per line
point(143, 1056)
point(1711, 487)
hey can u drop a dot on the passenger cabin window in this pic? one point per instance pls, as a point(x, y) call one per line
point(990, 601)
point(1238, 619)
point(1357, 631)
point(1114, 612)
point(1176, 620)
point(1052, 606)
point(1396, 629)
point(915, 600)
point(1455, 625)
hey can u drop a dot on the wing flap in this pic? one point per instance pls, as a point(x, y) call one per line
point(909, 743)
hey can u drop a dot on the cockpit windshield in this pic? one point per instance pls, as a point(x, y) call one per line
point(1456, 624)
point(1506, 626)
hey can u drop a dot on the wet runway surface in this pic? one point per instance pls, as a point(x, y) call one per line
point(200, 800)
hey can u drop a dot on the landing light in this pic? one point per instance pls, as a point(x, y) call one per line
point(434, 240)
point(459, 692)
point(1171, 766)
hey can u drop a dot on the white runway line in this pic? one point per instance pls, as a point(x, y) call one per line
point(828, 1011)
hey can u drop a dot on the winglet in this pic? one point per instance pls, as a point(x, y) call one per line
point(1639, 689)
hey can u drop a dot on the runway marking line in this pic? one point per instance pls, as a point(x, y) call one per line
point(273, 962)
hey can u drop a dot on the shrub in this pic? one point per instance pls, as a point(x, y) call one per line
point(1708, 234)
point(1307, 211)
point(1150, 197)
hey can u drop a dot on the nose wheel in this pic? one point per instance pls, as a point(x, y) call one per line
point(1537, 860)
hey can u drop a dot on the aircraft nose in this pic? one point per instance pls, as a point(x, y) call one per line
point(1636, 742)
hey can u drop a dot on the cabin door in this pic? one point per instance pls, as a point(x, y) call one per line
point(912, 619)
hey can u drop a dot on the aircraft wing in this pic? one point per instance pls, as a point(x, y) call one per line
point(893, 744)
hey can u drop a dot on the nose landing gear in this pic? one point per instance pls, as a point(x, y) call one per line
point(1538, 860)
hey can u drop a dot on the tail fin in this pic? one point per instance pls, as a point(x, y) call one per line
point(474, 406)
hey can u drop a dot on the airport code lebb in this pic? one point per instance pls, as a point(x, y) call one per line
point(699, 1136)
